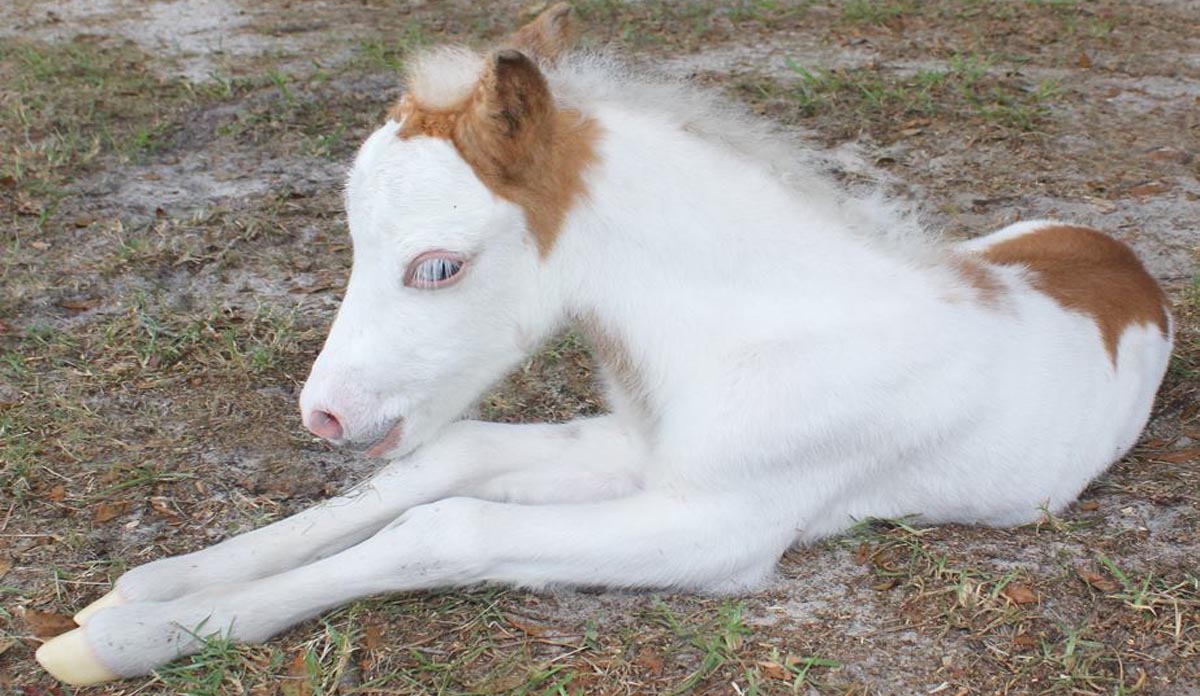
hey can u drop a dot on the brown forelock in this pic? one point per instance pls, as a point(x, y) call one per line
point(1090, 272)
point(519, 144)
point(547, 37)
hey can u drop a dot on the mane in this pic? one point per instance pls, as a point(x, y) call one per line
point(444, 77)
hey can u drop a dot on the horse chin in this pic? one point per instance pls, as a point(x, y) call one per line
point(392, 443)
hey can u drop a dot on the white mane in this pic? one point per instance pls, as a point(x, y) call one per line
point(444, 77)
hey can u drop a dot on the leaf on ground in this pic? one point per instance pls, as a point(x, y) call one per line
point(1171, 154)
point(1089, 506)
point(5, 644)
point(162, 505)
point(1096, 580)
point(79, 304)
point(298, 682)
point(57, 494)
point(1150, 188)
point(1183, 456)
point(373, 636)
point(774, 670)
point(526, 627)
point(110, 511)
point(650, 660)
point(1019, 594)
point(6, 565)
point(47, 624)
point(28, 206)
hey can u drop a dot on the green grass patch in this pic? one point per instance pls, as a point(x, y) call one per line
point(969, 87)
point(67, 104)
point(877, 12)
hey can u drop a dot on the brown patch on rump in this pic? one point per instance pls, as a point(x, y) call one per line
point(520, 145)
point(1090, 272)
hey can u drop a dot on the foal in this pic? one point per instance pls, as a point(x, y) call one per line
point(781, 361)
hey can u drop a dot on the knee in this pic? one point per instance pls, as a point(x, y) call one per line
point(444, 539)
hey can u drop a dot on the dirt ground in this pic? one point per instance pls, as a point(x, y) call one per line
point(174, 249)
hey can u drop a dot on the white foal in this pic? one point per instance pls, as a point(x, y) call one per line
point(780, 364)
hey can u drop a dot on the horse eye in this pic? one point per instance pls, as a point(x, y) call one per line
point(433, 270)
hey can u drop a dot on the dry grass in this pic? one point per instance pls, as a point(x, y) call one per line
point(173, 251)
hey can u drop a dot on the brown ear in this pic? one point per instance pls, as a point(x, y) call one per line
point(522, 146)
point(509, 123)
point(551, 34)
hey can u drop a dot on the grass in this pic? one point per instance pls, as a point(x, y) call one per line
point(221, 666)
point(64, 109)
point(883, 101)
point(149, 363)
point(1185, 362)
point(876, 13)
point(680, 652)
point(687, 25)
point(389, 55)
point(1007, 611)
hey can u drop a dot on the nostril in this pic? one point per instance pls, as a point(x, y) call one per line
point(325, 425)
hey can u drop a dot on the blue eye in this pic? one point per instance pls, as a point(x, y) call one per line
point(434, 269)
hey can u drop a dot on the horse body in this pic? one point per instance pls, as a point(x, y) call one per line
point(778, 353)
point(782, 359)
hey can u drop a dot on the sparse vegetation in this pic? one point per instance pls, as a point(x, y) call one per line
point(967, 89)
point(172, 251)
point(875, 12)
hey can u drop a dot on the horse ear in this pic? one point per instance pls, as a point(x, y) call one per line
point(509, 123)
point(551, 34)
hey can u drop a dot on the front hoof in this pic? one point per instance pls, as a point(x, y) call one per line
point(111, 599)
point(70, 659)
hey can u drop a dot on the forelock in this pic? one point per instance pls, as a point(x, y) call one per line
point(443, 78)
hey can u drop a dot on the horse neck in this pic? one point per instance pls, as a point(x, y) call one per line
point(670, 216)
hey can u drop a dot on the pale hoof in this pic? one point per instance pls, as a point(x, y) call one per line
point(111, 599)
point(69, 658)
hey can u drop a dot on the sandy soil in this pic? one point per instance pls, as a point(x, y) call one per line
point(174, 251)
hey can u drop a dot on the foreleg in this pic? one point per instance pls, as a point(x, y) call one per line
point(710, 541)
point(587, 459)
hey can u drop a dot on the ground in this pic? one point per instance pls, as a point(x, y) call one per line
point(174, 250)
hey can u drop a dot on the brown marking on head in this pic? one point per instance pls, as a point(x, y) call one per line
point(1089, 272)
point(551, 34)
point(517, 141)
point(416, 121)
